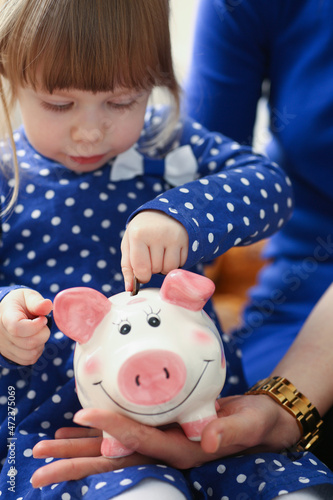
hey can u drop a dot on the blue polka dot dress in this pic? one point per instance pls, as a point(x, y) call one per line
point(66, 231)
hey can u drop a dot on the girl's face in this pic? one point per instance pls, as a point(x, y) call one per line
point(82, 130)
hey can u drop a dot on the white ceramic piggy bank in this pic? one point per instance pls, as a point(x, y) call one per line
point(156, 357)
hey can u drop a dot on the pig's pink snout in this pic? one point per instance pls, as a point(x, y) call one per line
point(152, 377)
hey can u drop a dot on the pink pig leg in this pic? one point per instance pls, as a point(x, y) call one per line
point(193, 430)
point(112, 448)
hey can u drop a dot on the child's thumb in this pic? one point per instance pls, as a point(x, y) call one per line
point(37, 305)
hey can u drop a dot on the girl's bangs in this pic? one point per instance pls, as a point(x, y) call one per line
point(93, 45)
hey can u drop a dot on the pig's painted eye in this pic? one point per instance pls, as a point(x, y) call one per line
point(124, 327)
point(153, 320)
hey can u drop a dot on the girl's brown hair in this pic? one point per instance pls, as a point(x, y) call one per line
point(93, 45)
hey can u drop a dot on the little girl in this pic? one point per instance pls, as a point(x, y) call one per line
point(103, 188)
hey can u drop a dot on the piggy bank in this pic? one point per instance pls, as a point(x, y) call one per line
point(156, 357)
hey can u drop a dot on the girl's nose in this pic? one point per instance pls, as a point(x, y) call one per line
point(90, 127)
point(87, 135)
point(86, 140)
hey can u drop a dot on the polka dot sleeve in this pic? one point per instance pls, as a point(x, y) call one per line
point(238, 198)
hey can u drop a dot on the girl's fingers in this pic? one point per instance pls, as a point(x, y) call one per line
point(23, 356)
point(18, 325)
point(172, 259)
point(183, 255)
point(135, 261)
point(126, 267)
point(36, 339)
point(38, 306)
point(157, 255)
point(26, 349)
point(29, 327)
point(141, 261)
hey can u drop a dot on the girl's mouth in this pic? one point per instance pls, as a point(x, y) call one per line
point(86, 160)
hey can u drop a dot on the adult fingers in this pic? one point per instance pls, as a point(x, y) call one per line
point(76, 432)
point(68, 448)
point(70, 469)
point(170, 446)
point(229, 434)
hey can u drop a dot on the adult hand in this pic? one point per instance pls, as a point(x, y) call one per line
point(81, 450)
point(250, 424)
point(153, 243)
point(236, 430)
point(23, 330)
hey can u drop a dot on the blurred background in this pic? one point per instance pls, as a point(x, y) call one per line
point(235, 271)
point(182, 21)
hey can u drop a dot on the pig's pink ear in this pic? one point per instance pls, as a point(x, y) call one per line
point(186, 289)
point(78, 311)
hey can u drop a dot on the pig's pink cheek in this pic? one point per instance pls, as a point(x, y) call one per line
point(202, 337)
point(92, 365)
point(223, 361)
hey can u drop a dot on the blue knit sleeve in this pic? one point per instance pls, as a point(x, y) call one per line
point(238, 198)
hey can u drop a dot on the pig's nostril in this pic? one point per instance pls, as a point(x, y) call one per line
point(167, 376)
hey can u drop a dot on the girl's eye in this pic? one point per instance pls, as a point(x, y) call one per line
point(56, 107)
point(122, 106)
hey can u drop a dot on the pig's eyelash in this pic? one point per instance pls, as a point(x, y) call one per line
point(153, 318)
point(120, 321)
point(152, 312)
point(124, 326)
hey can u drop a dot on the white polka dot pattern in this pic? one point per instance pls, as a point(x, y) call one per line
point(66, 231)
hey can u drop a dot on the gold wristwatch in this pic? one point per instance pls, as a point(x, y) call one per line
point(306, 414)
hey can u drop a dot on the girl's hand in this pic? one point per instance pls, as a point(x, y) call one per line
point(153, 243)
point(23, 330)
point(236, 430)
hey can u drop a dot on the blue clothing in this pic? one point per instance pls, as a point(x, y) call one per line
point(238, 46)
point(66, 230)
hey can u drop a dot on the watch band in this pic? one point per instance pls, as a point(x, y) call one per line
point(306, 414)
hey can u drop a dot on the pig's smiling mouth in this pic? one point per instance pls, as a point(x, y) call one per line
point(207, 361)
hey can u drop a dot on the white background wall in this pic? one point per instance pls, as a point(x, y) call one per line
point(181, 25)
point(183, 13)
